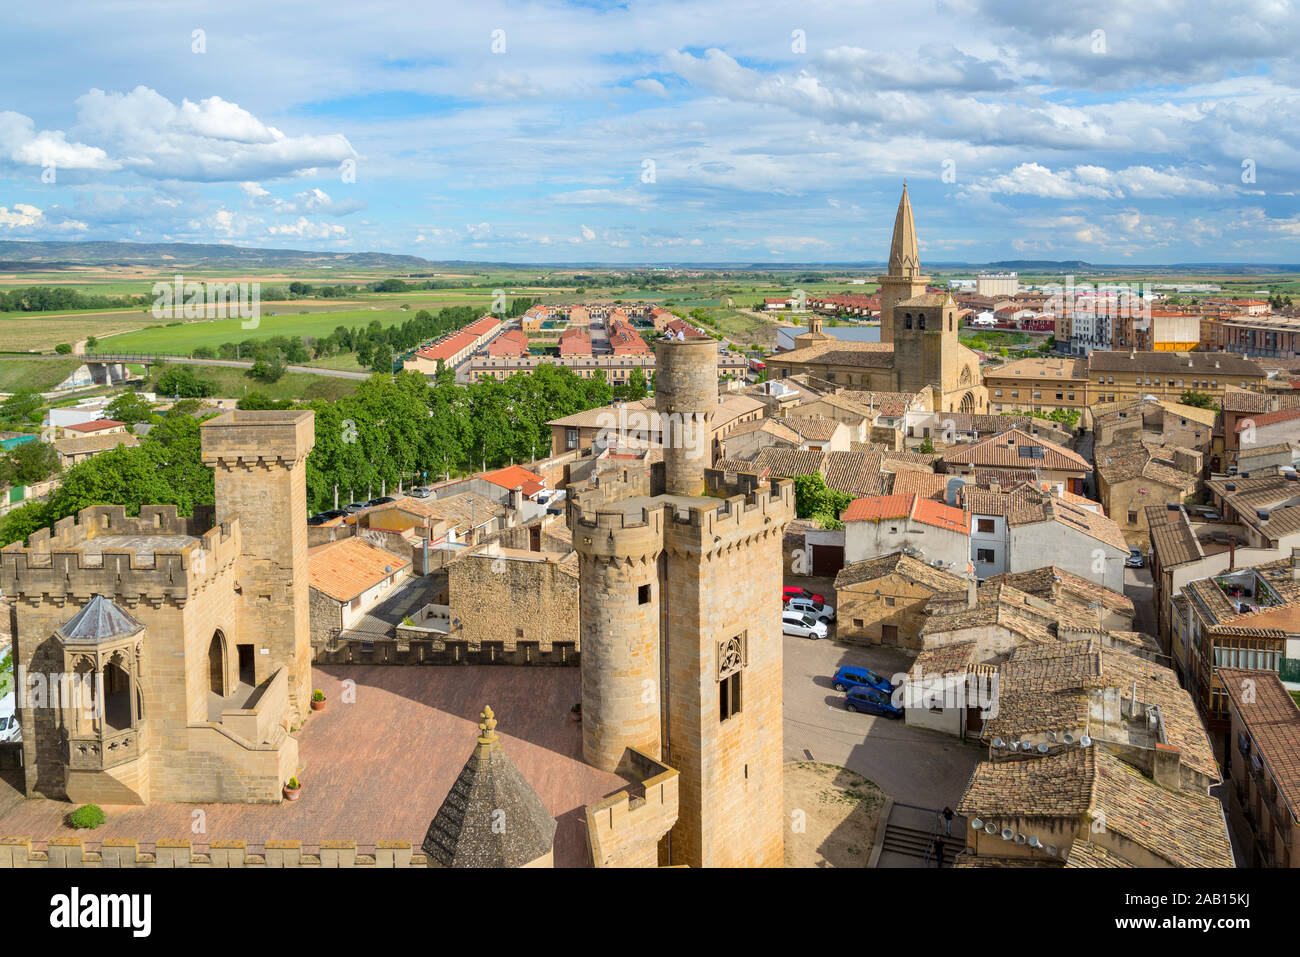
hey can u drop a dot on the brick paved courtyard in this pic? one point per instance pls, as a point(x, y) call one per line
point(379, 769)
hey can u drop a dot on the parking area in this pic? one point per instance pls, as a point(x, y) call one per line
point(911, 765)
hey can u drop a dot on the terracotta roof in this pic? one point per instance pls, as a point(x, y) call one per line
point(95, 425)
point(956, 658)
point(878, 508)
point(1183, 829)
point(1243, 400)
point(929, 512)
point(1005, 450)
point(1268, 418)
point(817, 428)
point(1272, 720)
point(94, 443)
point(346, 568)
point(1053, 583)
point(1088, 854)
point(1126, 461)
point(905, 566)
point(854, 473)
point(923, 484)
point(1172, 536)
point(514, 476)
point(787, 463)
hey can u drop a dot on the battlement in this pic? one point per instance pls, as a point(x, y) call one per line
point(116, 852)
point(158, 553)
point(248, 439)
point(752, 506)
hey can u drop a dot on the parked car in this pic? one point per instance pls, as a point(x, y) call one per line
point(317, 519)
point(9, 719)
point(420, 492)
point(818, 609)
point(380, 501)
point(1135, 559)
point(848, 677)
point(355, 507)
point(871, 701)
point(802, 626)
point(794, 591)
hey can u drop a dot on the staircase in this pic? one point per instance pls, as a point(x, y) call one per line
point(912, 830)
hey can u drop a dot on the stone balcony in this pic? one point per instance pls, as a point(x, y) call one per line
point(99, 751)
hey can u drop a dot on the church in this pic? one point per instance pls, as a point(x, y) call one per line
point(919, 347)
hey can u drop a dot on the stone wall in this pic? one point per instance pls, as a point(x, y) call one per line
point(407, 650)
point(511, 597)
point(125, 852)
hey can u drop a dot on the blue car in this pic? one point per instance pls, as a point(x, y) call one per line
point(847, 678)
point(871, 701)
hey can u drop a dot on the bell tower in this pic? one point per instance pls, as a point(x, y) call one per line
point(903, 279)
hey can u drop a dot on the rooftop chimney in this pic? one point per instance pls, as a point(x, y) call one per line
point(972, 593)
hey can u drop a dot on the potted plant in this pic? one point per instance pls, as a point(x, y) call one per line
point(576, 711)
point(293, 790)
point(318, 700)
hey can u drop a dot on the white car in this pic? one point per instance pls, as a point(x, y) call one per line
point(817, 609)
point(9, 730)
point(802, 626)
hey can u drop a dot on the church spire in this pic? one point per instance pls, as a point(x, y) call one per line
point(904, 258)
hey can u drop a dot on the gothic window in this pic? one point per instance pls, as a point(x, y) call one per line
point(732, 655)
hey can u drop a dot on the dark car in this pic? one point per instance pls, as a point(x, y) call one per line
point(847, 677)
point(380, 501)
point(871, 701)
point(318, 519)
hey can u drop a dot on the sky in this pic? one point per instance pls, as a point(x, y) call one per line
point(703, 131)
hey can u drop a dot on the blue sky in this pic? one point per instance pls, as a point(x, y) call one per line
point(710, 130)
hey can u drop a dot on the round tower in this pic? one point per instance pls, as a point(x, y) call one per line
point(618, 615)
point(686, 394)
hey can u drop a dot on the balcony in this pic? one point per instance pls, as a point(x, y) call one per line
point(93, 751)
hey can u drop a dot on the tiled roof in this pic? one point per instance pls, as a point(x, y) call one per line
point(1003, 450)
point(924, 484)
point(1272, 720)
point(929, 512)
point(950, 659)
point(1243, 400)
point(878, 508)
point(94, 443)
point(787, 463)
point(1183, 829)
point(1222, 364)
point(1088, 854)
point(514, 476)
point(1053, 583)
point(817, 428)
point(345, 568)
point(876, 355)
point(1268, 418)
point(1123, 462)
point(854, 473)
point(95, 425)
point(905, 566)
point(1172, 536)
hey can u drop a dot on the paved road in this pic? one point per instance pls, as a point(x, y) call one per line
point(1138, 588)
point(911, 765)
point(227, 363)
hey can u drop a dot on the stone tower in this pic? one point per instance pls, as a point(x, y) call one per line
point(260, 465)
point(903, 280)
point(681, 631)
point(926, 346)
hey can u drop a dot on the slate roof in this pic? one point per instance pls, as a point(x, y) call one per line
point(100, 620)
point(1221, 364)
point(490, 792)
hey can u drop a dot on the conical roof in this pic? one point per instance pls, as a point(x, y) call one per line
point(99, 620)
point(491, 817)
point(904, 257)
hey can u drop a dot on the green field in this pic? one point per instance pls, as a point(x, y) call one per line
point(38, 375)
point(231, 383)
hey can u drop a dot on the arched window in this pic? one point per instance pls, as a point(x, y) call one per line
point(907, 319)
point(217, 665)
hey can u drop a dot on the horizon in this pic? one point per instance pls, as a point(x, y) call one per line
point(672, 133)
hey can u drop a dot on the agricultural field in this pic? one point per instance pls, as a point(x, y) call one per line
point(234, 383)
point(38, 375)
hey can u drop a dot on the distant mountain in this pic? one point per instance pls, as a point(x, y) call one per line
point(66, 254)
point(1042, 265)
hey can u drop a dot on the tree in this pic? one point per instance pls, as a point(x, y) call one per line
point(28, 463)
point(1199, 400)
point(267, 370)
point(812, 499)
point(637, 386)
point(63, 349)
point(181, 382)
point(22, 406)
point(129, 407)
point(926, 446)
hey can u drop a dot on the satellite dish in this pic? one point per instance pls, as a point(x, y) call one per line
point(1020, 839)
point(1051, 850)
point(990, 828)
point(1008, 834)
point(1043, 748)
point(1067, 738)
point(1035, 842)
point(1014, 745)
point(977, 824)
point(998, 742)
point(1051, 735)
point(1085, 742)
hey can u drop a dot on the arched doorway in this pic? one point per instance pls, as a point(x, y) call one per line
point(217, 664)
point(967, 406)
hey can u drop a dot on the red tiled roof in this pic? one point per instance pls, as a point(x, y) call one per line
point(346, 568)
point(878, 507)
point(1268, 418)
point(95, 425)
point(514, 476)
point(940, 515)
point(482, 325)
point(448, 347)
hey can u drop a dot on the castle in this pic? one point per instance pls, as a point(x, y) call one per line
point(919, 345)
point(681, 627)
point(166, 658)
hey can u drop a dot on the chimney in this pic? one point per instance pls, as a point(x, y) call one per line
point(972, 593)
point(517, 499)
point(1060, 490)
point(1295, 564)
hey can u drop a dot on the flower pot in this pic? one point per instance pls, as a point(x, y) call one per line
point(318, 706)
point(292, 794)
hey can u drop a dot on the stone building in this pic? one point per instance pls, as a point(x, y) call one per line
point(679, 574)
point(514, 597)
point(882, 601)
point(162, 657)
point(1133, 475)
point(918, 346)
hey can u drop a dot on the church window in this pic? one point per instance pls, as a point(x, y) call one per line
point(731, 664)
